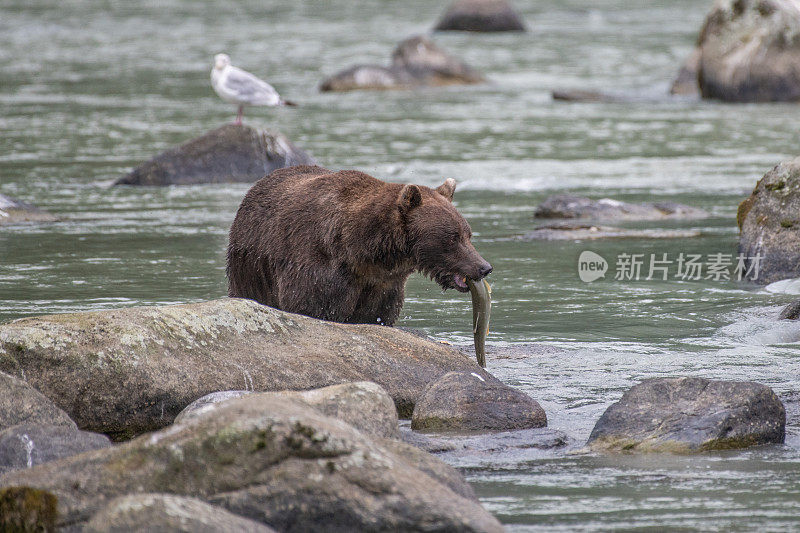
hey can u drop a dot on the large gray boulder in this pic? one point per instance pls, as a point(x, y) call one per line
point(14, 211)
point(22, 404)
point(127, 371)
point(230, 153)
point(769, 225)
point(571, 206)
point(467, 401)
point(750, 51)
point(416, 62)
point(364, 405)
point(28, 445)
point(683, 415)
point(269, 459)
point(165, 513)
point(480, 16)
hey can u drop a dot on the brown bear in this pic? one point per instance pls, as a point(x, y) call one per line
point(340, 245)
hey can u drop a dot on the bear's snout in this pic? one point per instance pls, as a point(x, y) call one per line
point(485, 270)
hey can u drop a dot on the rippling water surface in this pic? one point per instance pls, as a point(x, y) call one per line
point(90, 89)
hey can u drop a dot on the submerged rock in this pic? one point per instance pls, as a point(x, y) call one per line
point(22, 404)
point(127, 371)
point(750, 51)
point(791, 311)
point(769, 225)
point(582, 232)
point(231, 153)
point(569, 206)
point(416, 62)
point(168, 513)
point(13, 212)
point(481, 16)
point(472, 402)
point(684, 415)
point(364, 405)
point(27, 445)
point(276, 461)
point(24, 509)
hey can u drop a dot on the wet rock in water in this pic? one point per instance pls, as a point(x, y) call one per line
point(569, 206)
point(582, 232)
point(168, 513)
point(283, 464)
point(28, 445)
point(683, 415)
point(582, 95)
point(480, 16)
point(364, 405)
point(471, 401)
point(416, 62)
point(228, 154)
point(685, 83)
point(13, 212)
point(791, 311)
point(750, 51)
point(22, 404)
point(769, 225)
point(25, 509)
point(126, 371)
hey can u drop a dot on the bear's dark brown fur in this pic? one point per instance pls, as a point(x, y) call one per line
point(340, 245)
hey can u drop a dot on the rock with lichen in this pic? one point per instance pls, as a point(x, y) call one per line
point(416, 62)
point(24, 509)
point(229, 154)
point(687, 414)
point(271, 459)
point(749, 51)
point(126, 371)
point(769, 225)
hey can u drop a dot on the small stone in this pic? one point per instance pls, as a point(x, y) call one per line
point(14, 212)
point(471, 401)
point(480, 16)
point(791, 311)
point(28, 445)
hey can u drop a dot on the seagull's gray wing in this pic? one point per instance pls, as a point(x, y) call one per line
point(250, 89)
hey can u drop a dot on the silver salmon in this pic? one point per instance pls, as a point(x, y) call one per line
point(481, 293)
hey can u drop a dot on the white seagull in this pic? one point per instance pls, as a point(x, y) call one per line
point(238, 86)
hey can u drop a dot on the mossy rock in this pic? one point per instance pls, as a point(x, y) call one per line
point(27, 510)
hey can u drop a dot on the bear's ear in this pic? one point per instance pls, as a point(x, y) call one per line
point(410, 197)
point(447, 188)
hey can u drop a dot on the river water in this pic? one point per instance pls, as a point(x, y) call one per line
point(90, 89)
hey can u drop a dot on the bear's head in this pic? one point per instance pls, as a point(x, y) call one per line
point(438, 237)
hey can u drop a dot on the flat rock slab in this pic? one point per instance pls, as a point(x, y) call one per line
point(685, 83)
point(364, 405)
point(749, 51)
point(229, 154)
point(14, 212)
point(467, 401)
point(583, 232)
point(128, 371)
point(685, 415)
point(168, 513)
point(416, 62)
point(570, 206)
point(28, 445)
point(273, 460)
point(769, 225)
point(22, 404)
point(480, 16)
